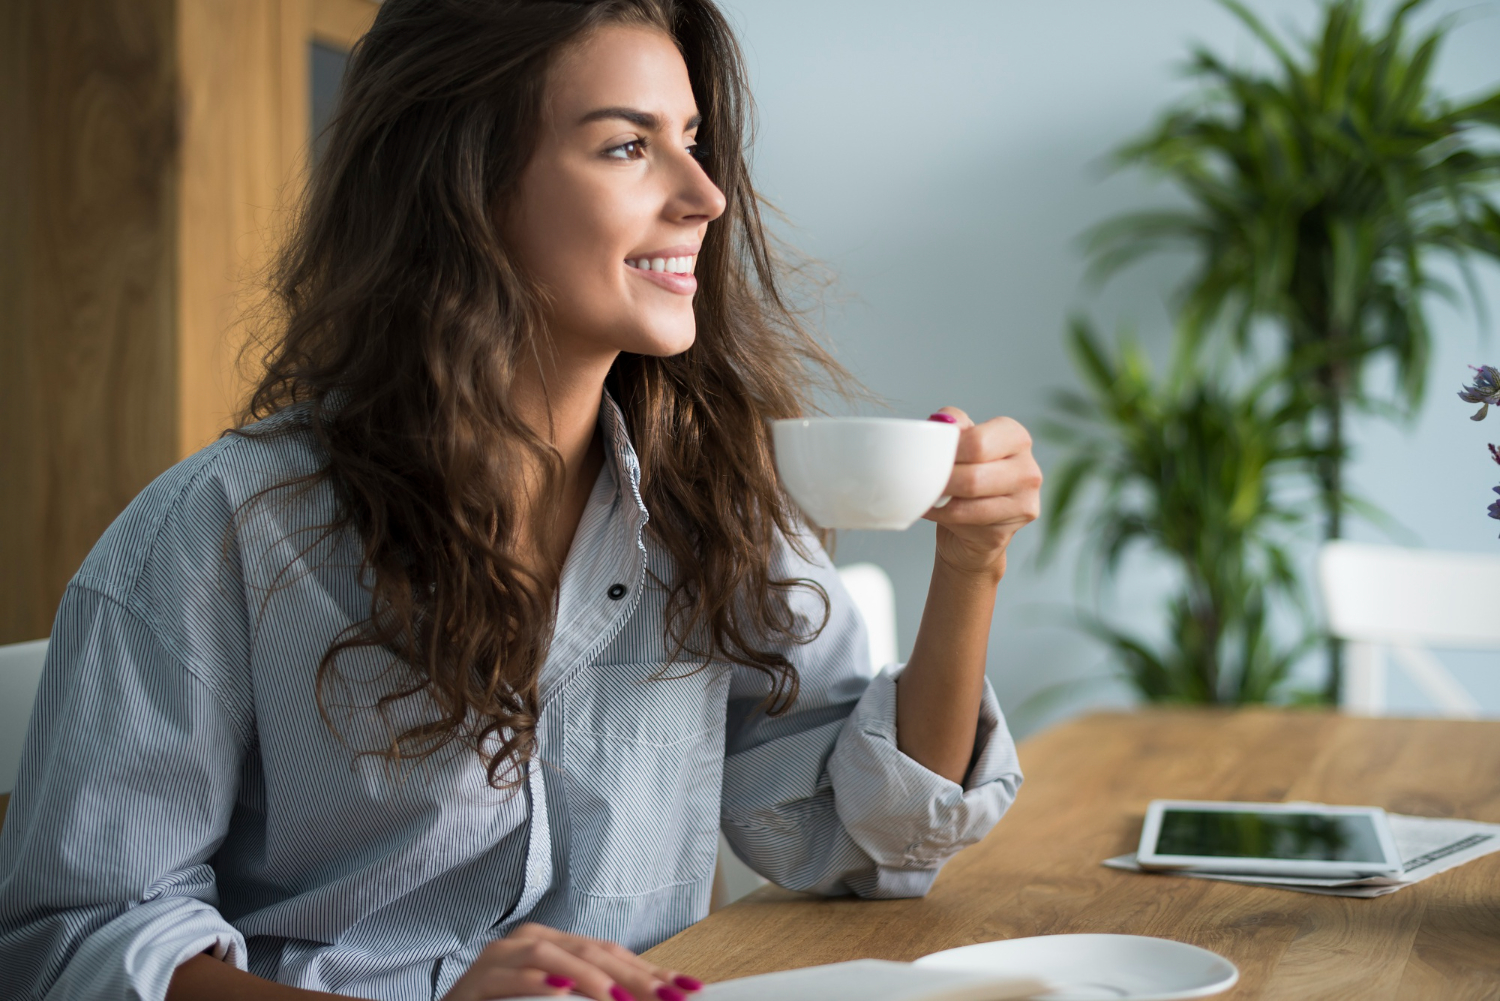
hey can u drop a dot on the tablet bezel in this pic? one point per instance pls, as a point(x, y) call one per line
point(1148, 858)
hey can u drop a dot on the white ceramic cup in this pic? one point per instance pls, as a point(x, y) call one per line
point(864, 472)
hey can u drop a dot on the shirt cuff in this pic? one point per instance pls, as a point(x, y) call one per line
point(903, 815)
point(135, 955)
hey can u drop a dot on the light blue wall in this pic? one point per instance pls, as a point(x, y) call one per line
point(942, 160)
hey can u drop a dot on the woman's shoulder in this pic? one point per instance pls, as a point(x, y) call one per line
point(180, 528)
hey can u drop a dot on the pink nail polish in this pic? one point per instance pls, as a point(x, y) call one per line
point(620, 994)
point(670, 993)
point(561, 983)
point(944, 418)
point(688, 983)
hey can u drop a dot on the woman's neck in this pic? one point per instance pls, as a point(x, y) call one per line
point(562, 407)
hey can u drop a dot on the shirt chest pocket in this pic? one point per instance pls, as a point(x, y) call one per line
point(643, 763)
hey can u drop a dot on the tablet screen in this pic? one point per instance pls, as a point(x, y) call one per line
point(1316, 836)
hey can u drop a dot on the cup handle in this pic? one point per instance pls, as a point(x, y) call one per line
point(941, 501)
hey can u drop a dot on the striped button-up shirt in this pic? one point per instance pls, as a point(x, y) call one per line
point(180, 793)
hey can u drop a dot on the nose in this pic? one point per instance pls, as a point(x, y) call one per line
point(697, 199)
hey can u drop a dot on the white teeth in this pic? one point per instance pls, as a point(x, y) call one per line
point(674, 265)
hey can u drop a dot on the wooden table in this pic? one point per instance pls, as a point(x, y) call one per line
point(1087, 786)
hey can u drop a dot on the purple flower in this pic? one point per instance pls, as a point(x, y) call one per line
point(1485, 391)
point(1495, 507)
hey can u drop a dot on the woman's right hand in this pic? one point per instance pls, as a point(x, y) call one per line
point(536, 960)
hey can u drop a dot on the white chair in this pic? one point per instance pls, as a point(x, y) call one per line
point(1408, 600)
point(20, 672)
point(875, 597)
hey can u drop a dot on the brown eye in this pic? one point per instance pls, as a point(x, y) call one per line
point(633, 150)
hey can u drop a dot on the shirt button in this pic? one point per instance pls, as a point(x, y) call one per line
point(616, 591)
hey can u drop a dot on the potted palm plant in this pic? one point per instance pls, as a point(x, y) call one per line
point(1192, 468)
point(1317, 193)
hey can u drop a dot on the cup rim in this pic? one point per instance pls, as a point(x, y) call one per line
point(864, 420)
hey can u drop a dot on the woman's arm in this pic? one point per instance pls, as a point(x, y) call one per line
point(996, 490)
point(821, 798)
point(204, 978)
point(126, 787)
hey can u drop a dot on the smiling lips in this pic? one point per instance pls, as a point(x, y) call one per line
point(673, 272)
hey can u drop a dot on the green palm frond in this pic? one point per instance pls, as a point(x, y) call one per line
point(1318, 190)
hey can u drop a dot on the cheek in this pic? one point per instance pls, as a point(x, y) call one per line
point(566, 232)
point(576, 242)
point(573, 235)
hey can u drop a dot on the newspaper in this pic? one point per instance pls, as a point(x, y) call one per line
point(1428, 846)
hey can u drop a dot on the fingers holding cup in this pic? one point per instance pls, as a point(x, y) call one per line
point(995, 480)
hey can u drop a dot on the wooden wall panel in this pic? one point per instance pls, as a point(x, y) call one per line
point(90, 337)
point(241, 74)
point(246, 89)
point(153, 153)
point(340, 22)
point(19, 450)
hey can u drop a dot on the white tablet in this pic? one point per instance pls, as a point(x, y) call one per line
point(1282, 839)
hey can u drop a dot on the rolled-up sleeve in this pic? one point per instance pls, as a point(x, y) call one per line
point(821, 798)
point(126, 787)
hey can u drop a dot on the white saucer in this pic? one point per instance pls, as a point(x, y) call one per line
point(1093, 967)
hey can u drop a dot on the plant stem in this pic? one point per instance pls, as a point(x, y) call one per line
point(1331, 489)
point(1210, 627)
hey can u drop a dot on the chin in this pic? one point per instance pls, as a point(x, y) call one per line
point(668, 349)
point(662, 340)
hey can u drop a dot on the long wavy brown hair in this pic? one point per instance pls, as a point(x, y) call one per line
point(402, 320)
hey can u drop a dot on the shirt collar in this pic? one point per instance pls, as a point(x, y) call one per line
point(620, 453)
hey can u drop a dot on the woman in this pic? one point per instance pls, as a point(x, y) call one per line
point(440, 680)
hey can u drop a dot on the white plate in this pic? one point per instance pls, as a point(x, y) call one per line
point(1091, 967)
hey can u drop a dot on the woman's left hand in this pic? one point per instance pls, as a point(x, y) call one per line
point(995, 490)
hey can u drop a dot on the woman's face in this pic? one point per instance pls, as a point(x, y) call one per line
point(612, 208)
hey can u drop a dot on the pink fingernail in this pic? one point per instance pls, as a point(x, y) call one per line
point(561, 983)
point(620, 994)
point(945, 418)
point(670, 993)
point(688, 983)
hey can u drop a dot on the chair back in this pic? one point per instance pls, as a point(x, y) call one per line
point(1406, 601)
point(875, 597)
point(20, 673)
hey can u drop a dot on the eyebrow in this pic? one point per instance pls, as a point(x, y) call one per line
point(643, 119)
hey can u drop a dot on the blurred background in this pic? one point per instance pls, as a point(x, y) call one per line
point(942, 161)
